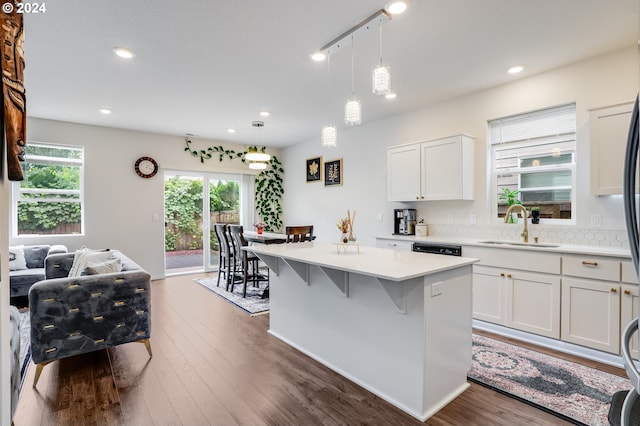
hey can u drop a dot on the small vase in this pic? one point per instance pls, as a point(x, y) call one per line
point(259, 230)
point(344, 238)
point(351, 237)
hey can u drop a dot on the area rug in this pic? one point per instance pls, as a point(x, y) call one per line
point(253, 304)
point(576, 393)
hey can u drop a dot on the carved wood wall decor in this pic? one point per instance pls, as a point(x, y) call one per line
point(14, 111)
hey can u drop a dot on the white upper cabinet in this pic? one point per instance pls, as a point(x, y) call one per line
point(403, 173)
point(438, 169)
point(608, 128)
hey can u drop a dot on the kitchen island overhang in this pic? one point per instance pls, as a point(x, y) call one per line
point(397, 323)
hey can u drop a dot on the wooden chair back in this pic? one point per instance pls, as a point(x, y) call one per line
point(297, 234)
point(223, 239)
point(237, 237)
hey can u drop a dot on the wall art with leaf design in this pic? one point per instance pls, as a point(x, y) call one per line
point(314, 169)
point(333, 173)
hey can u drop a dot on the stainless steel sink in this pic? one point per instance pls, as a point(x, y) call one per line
point(519, 243)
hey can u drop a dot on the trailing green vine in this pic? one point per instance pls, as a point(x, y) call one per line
point(269, 183)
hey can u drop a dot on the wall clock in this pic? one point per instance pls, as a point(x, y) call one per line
point(146, 167)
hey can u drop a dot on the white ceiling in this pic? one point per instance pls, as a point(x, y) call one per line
point(203, 66)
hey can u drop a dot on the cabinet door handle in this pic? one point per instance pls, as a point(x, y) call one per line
point(627, 292)
point(614, 290)
point(585, 263)
point(508, 275)
point(417, 198)
point(502, 274)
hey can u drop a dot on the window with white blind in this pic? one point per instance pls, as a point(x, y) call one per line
point(533, 156)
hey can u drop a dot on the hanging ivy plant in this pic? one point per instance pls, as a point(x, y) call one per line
point(269, 189)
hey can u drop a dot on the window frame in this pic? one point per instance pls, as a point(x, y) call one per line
point(572, 167)
point(16, 191)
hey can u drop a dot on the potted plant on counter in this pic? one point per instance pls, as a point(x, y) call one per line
point(511, 198)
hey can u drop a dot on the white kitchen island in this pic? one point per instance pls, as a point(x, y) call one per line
point(397, 323)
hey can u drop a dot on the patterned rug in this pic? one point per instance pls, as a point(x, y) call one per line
point(576, 393)
point(253, 304)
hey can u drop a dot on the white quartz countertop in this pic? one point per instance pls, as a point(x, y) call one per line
point(542, 246)
point(388, 264)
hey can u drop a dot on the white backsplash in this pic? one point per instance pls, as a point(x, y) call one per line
point(549, 234)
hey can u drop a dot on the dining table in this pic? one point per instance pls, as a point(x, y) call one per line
point(265, 237)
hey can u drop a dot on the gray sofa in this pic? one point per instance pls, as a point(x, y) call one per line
point(16, 374)
point(75, 315)
point(21, 280)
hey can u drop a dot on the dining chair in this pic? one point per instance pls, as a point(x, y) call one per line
point(249, 262)
point(296, 234)
point(226, 257)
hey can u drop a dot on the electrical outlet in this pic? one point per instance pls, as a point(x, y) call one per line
point(436, 289)
point(596, 220)
point(450, 219)
point(473, 219)
point(379, 217)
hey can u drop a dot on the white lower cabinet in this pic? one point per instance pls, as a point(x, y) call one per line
point(508, 291)
point(629, 312)
point(523, 300)
point(629, 303)
point(591, 313)
point(591, 291)
point(489, 290)
point(396, 244)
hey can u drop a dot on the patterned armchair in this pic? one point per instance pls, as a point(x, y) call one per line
point(75, 315)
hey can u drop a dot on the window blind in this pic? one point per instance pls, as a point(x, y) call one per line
point(556, 121)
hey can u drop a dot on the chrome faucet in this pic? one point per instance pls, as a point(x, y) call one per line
point(525, 233)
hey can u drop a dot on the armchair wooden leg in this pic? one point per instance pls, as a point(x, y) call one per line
point(39, 368)
point(147, 344)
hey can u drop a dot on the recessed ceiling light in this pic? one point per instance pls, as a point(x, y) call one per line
point(515, 69)
point(396, 7)
point(123, 52)
point(231, 130)
point(318, 56)
point(105, 111)
point(391, 95)
point(265, 113)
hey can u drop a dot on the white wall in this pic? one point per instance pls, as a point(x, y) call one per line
point(119, 205)
point(604, 80)
point(5, 354)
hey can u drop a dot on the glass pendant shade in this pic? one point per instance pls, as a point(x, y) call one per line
point(381, 80)
point(329, 136)
point(257, 165)
point(353, 112)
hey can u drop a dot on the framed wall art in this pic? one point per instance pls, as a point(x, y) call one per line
point(333, 173)
point(314, 169)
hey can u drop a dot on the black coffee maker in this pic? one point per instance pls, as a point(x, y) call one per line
point(404, 221)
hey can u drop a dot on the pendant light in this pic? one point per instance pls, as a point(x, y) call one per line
point(381, 75)
point(257, 159)
point(353, 107)
point(329, 132)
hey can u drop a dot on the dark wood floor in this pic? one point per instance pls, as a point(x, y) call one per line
point(213, 364)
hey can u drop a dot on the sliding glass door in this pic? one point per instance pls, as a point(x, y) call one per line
point(193, 203)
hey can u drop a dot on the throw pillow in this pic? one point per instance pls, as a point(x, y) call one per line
point(17, 261)
point(35, 256)
point(85, 255)
point(106, 267)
